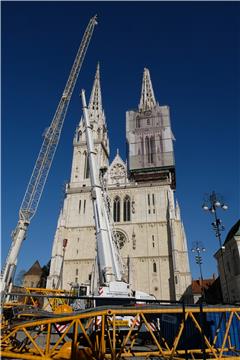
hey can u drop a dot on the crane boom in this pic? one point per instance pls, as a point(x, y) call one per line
point(110, 267)
point(42, 166)
point(52, 135)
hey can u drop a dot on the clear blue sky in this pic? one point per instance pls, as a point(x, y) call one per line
point(192, 51)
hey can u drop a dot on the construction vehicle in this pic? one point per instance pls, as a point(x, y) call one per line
point(110, 267)
point(42, 166)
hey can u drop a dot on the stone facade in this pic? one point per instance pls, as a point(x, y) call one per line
point(32, 278)
point(228, 260)
point(147, 218)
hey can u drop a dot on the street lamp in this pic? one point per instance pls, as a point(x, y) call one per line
point(198, 249)
point(211, 203)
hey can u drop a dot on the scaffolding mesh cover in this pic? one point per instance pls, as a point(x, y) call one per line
point(150, 139)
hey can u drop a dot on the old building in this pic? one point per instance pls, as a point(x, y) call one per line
point(32, 278)
point(206, 290)
point(146, 215)
point(228, 259)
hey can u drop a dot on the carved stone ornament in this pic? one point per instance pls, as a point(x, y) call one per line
point(118, 171)
point(121, 239)
point(148, 113)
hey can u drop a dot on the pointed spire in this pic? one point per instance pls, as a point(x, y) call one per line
point(147, 100)
point(95, 103)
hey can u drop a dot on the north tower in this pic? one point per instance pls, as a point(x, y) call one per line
point(150, 138)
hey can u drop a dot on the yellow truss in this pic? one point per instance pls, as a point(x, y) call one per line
point(52, 298)
point(50, 303)
point(95, 334)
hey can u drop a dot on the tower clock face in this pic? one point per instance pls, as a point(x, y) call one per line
point(121, 239)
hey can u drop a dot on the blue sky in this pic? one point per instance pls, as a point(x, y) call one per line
point(192, 51)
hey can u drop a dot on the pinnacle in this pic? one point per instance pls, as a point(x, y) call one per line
point(147, 100)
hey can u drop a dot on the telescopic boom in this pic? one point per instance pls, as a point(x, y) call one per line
point(42, 166)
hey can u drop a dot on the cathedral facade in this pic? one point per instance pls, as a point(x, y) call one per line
point(146, 216)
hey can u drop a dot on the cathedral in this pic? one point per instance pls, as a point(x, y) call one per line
point(146, 215)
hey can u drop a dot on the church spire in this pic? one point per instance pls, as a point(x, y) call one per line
point(95, 103)
point(147, 100)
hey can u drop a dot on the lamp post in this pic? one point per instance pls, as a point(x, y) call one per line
point(198, 249)
point(213, 202)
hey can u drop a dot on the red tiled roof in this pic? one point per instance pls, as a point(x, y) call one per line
point(197, 286)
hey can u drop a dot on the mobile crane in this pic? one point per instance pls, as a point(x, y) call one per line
point(110, 265)
point(42, 166)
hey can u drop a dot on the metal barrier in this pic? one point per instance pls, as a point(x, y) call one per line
point(160, 331)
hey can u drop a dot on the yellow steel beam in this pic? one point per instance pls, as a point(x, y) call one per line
point(62, 336)
point(48, 340)
point(84, 332)
point(153, 336)
point(178, 336)
point(33, 342)
point(122, 349)
point(218, 329)
point(114, 337)
point(103, 344)
point(205, 338)
point(237, 315)
point(226, 333)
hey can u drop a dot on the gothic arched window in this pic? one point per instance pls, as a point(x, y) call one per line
point(86, 166)
point(142, 146)
point(126, 209)
point(161, 144)
point(79, 134)
point(138, 122)
point(147, 147)
point(152, 149)
point(154, 267)
point(120, 238)
point(116, 209)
